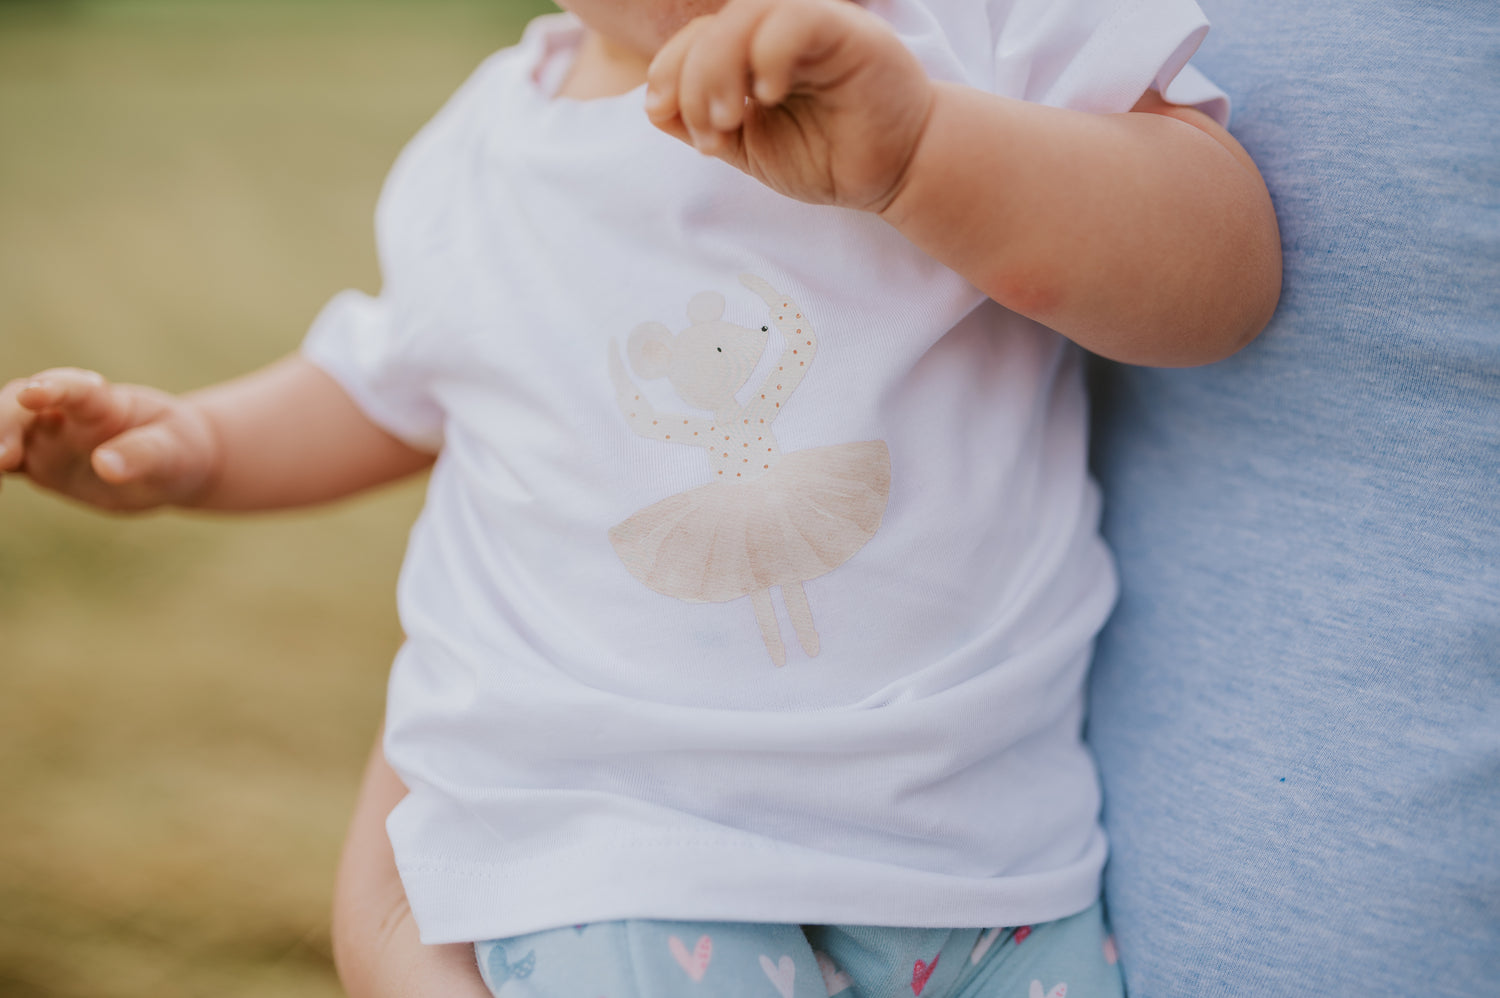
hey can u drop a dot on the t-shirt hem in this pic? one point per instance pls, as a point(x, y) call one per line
point(455, 901)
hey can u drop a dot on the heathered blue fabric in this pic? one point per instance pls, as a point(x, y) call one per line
point(1296, 708)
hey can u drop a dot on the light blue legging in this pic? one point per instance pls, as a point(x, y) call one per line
point(655, 959)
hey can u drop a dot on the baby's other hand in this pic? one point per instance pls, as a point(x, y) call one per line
point(817, 99)
point(117, 447)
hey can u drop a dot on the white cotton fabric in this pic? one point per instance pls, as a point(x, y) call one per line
point(581, 746)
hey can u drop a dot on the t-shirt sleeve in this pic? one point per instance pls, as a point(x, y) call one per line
point(385, 350)
point(357, 339)
point(1101, 55)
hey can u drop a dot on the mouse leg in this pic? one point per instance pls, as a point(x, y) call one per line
point(801, 614)
point(770, 630)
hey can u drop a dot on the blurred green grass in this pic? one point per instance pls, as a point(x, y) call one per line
point(186, 701)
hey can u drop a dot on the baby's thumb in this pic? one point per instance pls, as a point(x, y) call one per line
point(143, 454)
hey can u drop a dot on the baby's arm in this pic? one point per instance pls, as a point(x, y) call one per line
point(285, 436)
point(1147, 237)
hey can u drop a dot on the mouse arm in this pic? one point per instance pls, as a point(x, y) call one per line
point(792, 365)
point(642, 415)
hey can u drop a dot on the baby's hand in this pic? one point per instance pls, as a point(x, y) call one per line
point(117, 447)
point(817, 99)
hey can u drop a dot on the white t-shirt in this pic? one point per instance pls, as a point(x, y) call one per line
point(759, 572)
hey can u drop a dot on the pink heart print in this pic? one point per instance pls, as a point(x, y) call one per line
point(783, 974)
point(694, 964)
point(835, 981)
point(921, 972)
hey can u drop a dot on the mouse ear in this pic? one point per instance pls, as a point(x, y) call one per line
point(650, 349)
point(706, 306)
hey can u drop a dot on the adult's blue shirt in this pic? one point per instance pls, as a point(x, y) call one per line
point(1296, 708)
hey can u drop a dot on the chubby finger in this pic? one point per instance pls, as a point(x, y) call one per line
point(796, 40)
point(14, 420)
point(662, 78)
point(78, 394)
point(149, 454)
point(714, 81)
point(12, 452)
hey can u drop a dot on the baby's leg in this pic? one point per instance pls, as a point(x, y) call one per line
point(654, 959)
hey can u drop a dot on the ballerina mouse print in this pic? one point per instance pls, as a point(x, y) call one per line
point(765, 519)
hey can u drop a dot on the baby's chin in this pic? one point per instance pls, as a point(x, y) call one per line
point(639, 26)
point(668, 16)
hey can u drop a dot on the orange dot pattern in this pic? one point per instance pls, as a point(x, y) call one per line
point(766, 404)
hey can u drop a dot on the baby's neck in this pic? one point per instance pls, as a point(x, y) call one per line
point(603, 69)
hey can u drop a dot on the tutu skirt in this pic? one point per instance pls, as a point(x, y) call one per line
point(803, 518)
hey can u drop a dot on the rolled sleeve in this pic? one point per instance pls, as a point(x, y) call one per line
point(1102, 55)
point(356, 339)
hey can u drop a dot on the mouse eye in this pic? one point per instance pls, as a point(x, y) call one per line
point(765, 329)
point(720, 349)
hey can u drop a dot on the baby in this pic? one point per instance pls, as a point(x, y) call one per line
point(748, 615)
